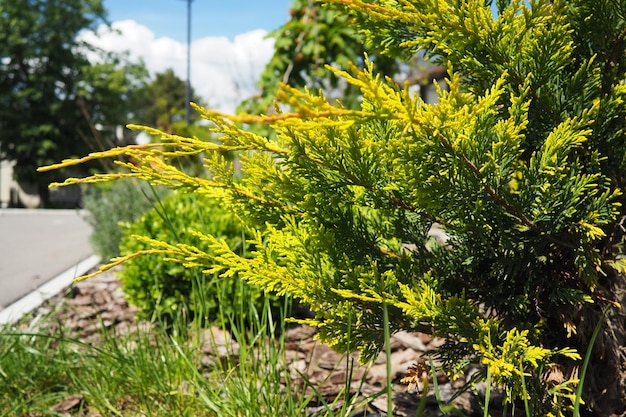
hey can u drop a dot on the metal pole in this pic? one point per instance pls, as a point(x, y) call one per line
point(188, 90)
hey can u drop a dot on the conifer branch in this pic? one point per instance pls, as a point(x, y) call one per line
point(354, 180)
point(502, 202)
point(499, 200)
point(372, 9)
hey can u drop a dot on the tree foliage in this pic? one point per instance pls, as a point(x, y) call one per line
point(520, 163)
point(313, 36)
point(163, 104)
point(52, 98)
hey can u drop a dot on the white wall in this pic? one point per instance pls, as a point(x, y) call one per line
point(6, 182)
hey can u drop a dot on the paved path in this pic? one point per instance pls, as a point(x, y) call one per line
point(36, 246)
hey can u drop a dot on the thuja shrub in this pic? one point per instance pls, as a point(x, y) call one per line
point(163, 289)
point(521, 164)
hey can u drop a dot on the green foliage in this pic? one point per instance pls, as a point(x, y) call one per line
point(112, 207)
point(153, 371)
point(313, 36)
point(165, 289)
point(51, 96)
point(520, 164)
point(163, 104)
point(34, 373)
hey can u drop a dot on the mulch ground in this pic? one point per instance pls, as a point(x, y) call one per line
point(99, 302)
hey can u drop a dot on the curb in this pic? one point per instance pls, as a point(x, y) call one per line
point(39, 212)
point(31, 301)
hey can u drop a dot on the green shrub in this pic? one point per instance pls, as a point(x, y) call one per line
point(164, 289)
point(111, 206)
point(521, 163)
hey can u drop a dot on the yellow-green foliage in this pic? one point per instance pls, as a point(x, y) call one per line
point(519, 163)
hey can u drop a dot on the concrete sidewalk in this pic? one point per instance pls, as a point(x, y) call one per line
point(37, 246)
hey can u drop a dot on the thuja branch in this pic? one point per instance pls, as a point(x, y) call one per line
point(303, 113)
point(354, 180)
point(501, 201)
point(372, 9)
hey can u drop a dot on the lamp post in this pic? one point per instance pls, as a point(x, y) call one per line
point(188, 89)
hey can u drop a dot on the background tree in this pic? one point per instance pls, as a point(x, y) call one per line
point(313, 36)
point(163, 104)
point(53, 100)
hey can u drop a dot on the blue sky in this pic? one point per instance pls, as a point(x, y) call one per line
point(229, 48)
point(209, 17)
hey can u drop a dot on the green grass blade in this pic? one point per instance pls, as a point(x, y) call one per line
point(583, 370)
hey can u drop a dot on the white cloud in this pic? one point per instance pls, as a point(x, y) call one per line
point(223, 72)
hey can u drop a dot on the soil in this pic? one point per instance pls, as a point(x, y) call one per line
point(87, 306)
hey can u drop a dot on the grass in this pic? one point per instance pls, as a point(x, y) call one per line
point(154, 372)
